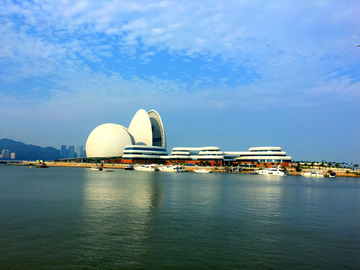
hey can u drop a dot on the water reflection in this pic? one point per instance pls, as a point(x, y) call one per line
point(118, 211)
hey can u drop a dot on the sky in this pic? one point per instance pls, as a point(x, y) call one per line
point(232, 74)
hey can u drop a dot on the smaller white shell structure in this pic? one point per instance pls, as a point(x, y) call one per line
point(107, 140)
point(140, 128)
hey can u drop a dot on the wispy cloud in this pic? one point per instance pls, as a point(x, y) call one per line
point(209, 55)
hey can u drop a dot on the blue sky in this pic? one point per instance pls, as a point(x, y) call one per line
point(237, 74)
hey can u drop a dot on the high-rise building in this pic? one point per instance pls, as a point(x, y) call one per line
point(63, 151)
point(5, 154)
point(80, 151)
point(71, 151)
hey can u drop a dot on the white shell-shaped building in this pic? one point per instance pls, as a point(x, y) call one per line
point(109, 140)
point(140, 128)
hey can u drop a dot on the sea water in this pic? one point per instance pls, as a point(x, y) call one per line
point(76, 218)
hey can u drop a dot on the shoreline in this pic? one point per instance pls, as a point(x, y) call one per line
point(187, 168)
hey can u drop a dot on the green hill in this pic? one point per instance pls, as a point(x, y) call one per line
point(28, 151)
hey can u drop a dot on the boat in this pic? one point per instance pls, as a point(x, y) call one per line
point(129, 168)
point(172, 168)
point(202, 171)
point(332, 175)
point(312, 174)
point(42, 165)
point(271, 171)
point(97, 168)
point(149, 168)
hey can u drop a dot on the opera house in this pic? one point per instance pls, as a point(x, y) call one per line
point(145, 137)
point(144, 141)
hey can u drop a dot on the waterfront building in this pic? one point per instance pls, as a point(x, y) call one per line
point(144, 154)
point(190, 155)
point(215, 156)
point(145, 129)
point(264, 154)
point(145, 142)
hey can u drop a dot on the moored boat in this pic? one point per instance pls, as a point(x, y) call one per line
point(271, 171)
point(42, 165)
point(312, 174)
point(172, 168)
point(150, 168)
point(202, 171)
point(332, 175)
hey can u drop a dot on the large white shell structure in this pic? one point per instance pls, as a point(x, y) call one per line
point(107, 140)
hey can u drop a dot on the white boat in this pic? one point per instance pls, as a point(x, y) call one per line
point(202, 171)
point(271, 171)
point(150, 168)
point(172, 168)
point(97, 168)
point(332, 175)
point(312, 174)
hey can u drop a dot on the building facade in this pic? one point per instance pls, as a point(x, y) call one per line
point(144, 141)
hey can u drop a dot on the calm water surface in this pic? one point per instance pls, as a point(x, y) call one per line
point(75, 218)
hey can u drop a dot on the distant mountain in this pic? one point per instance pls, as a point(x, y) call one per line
point(28, 151)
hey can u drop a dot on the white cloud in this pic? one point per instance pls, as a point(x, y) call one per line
point(281, 42)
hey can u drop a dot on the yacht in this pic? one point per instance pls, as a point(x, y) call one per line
point(172, 168)
point(271, 171)
point(312, 174)
point(150, 168)
point(202, 171)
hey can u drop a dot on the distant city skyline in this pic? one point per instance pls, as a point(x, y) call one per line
point(6, 154)
point(69, 152)
point(231, 74)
